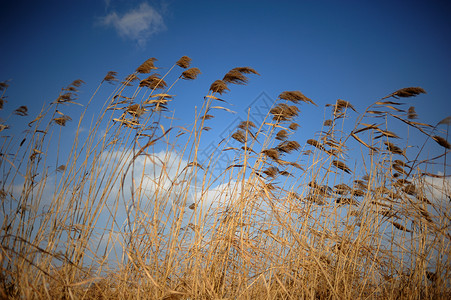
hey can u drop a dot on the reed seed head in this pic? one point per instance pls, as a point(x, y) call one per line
point(235, 77)
point(315, 199)
point(207, 117)
point(341, 165)
point(246, 125)
point(328, 123)
point(77, 83)
point(283, 112)
point(184, 62)
point(191, 74)
point(62, 120)
point(246, 70)
point(147, 66)
point(239, 136)
point(295, 97)
point(393, 148)
point(446, 121)
point(219, 86)
point(282, 135)
point(285, 173)
point(399, 169)
point(441, 141)
point(340, 104)
point(315, 143)
point(271, 172)
point(3, 85)
point(21, 111)
point(288, 146)
point(293, 126)
point(296, 165)
point(136, 110)
point(110, 77)
point(342, 189)
point(408, 92)
point(411, 113)
point(271, 153)
point(346, 201)
point(153, 82)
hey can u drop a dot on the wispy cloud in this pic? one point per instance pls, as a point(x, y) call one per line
point(138, 24)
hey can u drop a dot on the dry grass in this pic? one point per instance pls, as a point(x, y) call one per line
point(131, 211)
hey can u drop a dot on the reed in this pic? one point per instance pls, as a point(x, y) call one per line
point(131, 210)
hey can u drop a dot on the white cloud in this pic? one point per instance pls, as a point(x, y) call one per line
point(138, 24)
point(438, 189)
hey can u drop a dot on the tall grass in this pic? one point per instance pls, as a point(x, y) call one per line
point(131, 210)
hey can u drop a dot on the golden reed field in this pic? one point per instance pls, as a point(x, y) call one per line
point(118, 203)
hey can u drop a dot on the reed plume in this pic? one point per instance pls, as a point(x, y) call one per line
point(184, 62)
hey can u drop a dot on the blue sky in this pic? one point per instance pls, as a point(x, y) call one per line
point(354, 50)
